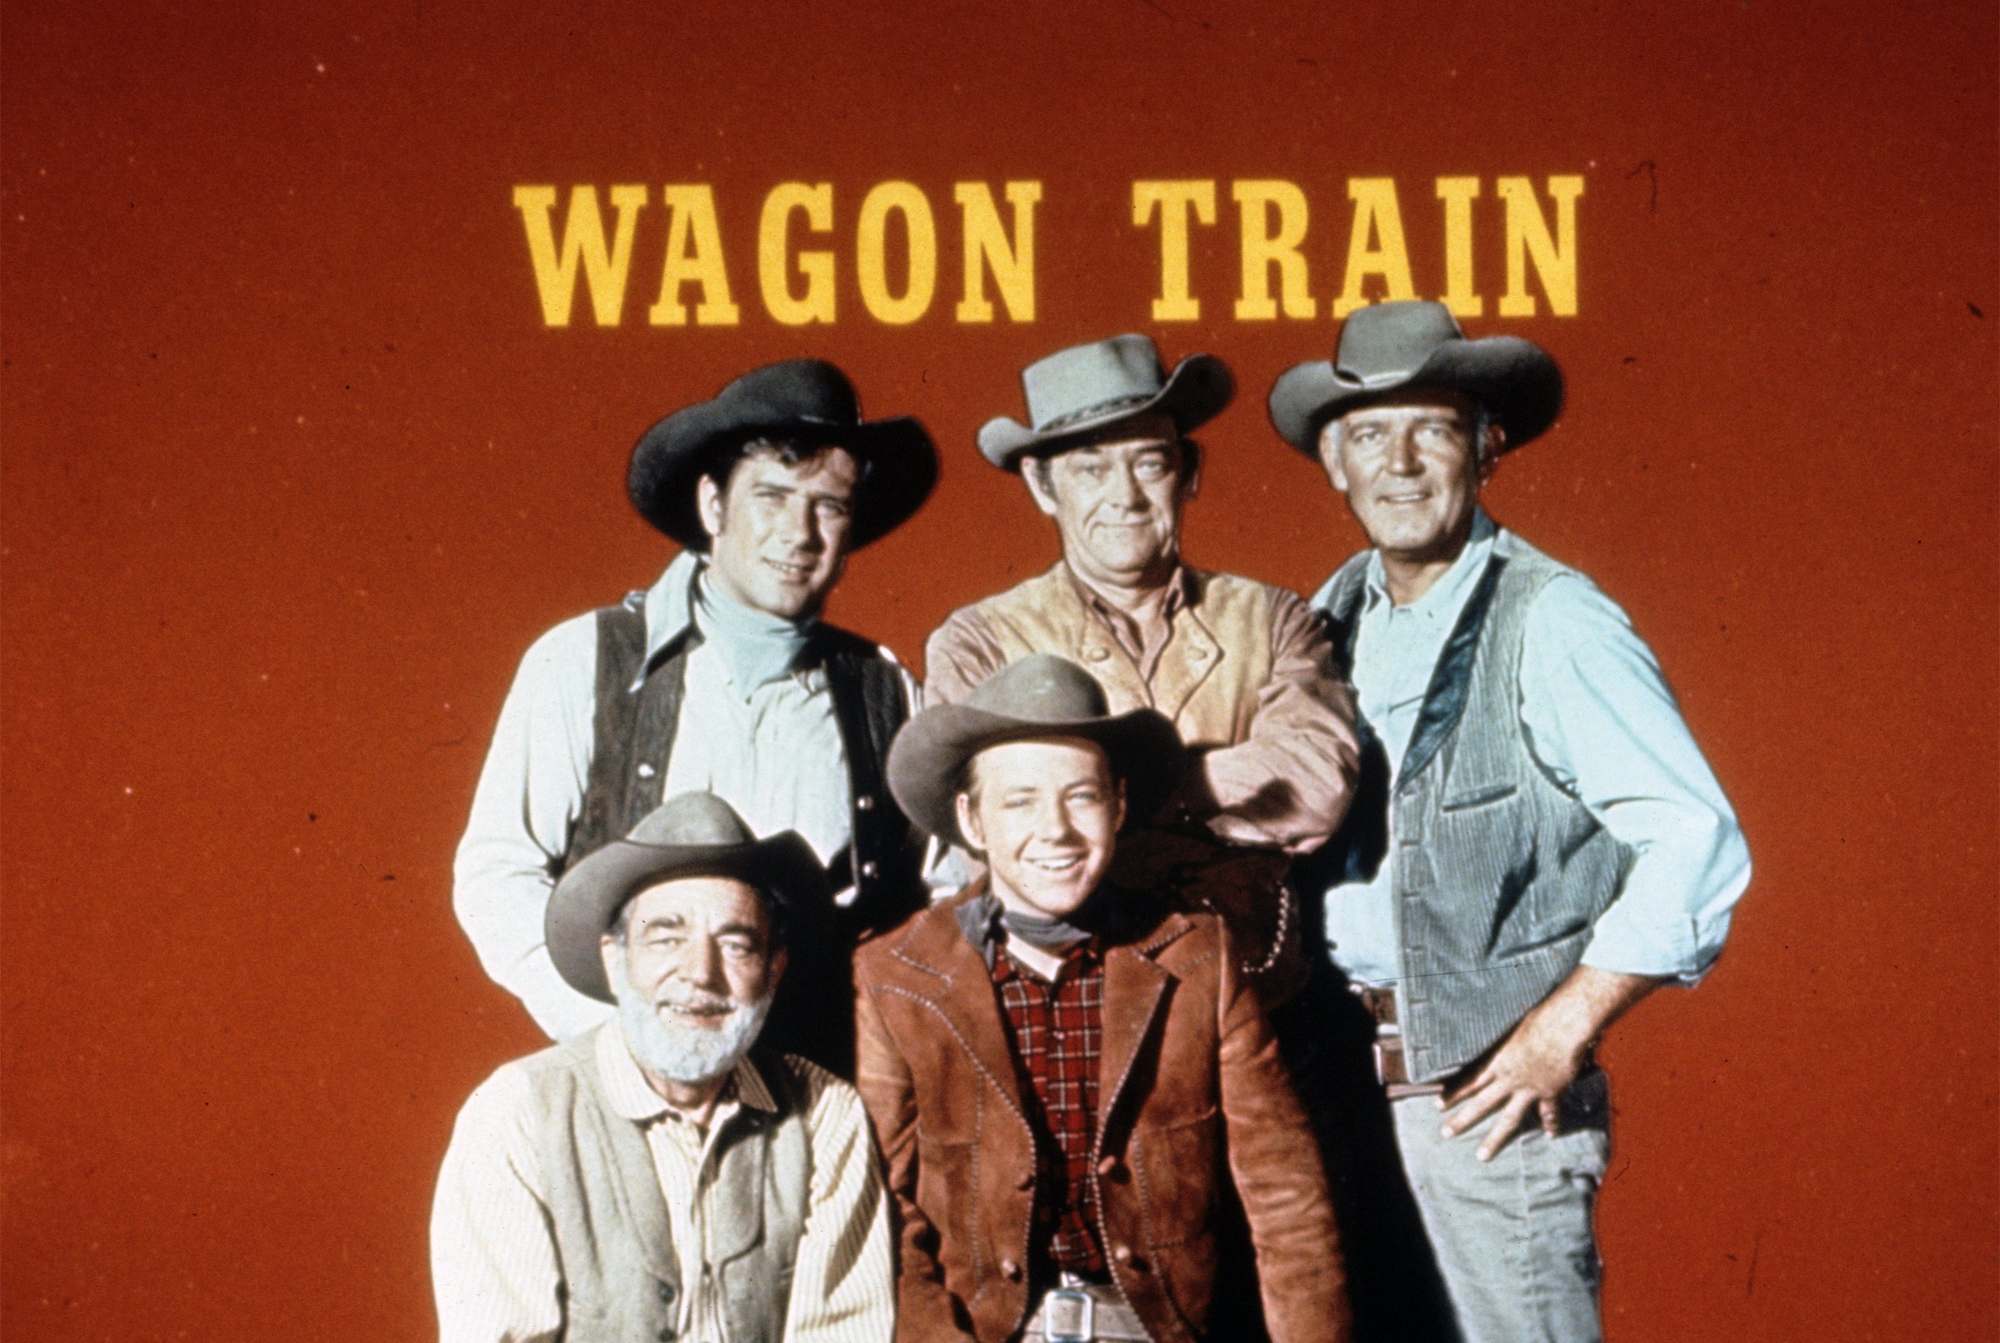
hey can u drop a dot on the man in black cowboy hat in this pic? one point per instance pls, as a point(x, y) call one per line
point(1536, 842)
point(1241, 668)
point(665, 1175)
point(1066, 1077)
point(722, 677)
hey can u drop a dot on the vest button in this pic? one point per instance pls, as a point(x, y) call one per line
point(864, 803)
point(1010, 1270)
point(1096, 654)
point(646, 771)
point(1123, 1255)
point(1112, 1169)
point(869, 869)
point(1027, 1180)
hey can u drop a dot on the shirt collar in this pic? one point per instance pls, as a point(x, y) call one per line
point(632, 1096)
point(1182, 592)
point(1444, 598)
point(669, 606)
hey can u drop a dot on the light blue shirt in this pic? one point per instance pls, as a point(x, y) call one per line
point(1599, 719)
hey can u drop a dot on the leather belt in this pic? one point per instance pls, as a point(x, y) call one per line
point(1391, 1068)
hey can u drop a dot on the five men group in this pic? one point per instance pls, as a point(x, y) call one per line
point(1283, 931)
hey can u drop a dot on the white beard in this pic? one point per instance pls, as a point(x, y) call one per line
point(690, 1054)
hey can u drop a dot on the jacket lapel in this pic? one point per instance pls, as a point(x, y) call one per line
point(955, 983)
point(1135, 986)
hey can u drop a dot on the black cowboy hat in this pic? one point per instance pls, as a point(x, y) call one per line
point(799, 398)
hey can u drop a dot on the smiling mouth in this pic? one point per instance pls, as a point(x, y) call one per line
point(1415, 498)
point(704, 1014)
point(795, 573)
point(1057, 867)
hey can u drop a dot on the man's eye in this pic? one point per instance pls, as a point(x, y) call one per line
point(833, 508)
point(736, 949)
point(1151, 470)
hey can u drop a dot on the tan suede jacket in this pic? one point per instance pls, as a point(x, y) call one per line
point(1245, 675)
point(1189, 1071)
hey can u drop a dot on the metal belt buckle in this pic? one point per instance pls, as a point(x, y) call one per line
point(1069, 1315)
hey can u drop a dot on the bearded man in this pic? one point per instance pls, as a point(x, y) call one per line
point(662, 1176)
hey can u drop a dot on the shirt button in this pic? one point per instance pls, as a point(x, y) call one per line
point(1197, 654)
point(666, 1291)
point(1096, 654)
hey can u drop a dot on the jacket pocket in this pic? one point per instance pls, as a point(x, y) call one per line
point(1178, 1168)
point(948, 1196)
point(1479, 795)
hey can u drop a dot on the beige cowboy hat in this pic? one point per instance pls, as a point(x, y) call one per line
point(1041, 695)
point(689, 835)
point(1087, 388)
point(1411, 345)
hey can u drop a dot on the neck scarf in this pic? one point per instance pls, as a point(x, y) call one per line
point(756, 646)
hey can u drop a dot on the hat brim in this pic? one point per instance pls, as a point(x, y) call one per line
point(898, 460)
point(1514, 379)
point(1198, 390)
point(928, 758)
point(590, 894)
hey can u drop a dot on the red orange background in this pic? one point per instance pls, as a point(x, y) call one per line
point(293, 472)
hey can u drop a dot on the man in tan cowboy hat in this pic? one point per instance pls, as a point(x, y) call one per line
point(1241, 668)
point(721, 676)
point(1536, 842)
point(1056, 1068)
point(666, 1175)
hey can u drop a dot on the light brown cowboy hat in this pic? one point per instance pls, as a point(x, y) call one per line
point(1041, 695)
point(799, 398)
point(1413, 345)
point(1088, 388)
point(689, 835)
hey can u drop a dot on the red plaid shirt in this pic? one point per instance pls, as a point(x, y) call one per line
point(1057, 1032)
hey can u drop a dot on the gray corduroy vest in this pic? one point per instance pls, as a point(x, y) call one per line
point(621, 1278)
point(1499, 873)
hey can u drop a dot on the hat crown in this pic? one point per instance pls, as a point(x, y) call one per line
point(691, 819)
point(1387, 342)
point(1084, 380)
point(810, 390)
point(1041, 688)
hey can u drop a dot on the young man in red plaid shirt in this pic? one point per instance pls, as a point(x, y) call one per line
point(1055, 1069)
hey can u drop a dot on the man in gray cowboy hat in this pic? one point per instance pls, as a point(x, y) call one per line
point(666, 1175)
point(1241, 668)
point(1056, 1068)
point(1536, 842)
point(721, 676)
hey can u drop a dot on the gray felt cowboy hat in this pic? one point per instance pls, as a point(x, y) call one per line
point(1412, 345)
point(690, 835)
point(1091, 387)
point(1041, 695)
point(799, 398)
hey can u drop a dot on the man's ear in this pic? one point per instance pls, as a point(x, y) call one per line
point(1492, 443)
point(1191, 477)
point(968, 821)
point(1329, 457)
point(1044, 495)
point(708, 503)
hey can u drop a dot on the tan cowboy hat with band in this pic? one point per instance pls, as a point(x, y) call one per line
point(1087, 388)
point(689, 835)
point(1413, 345)
point(1040, 696)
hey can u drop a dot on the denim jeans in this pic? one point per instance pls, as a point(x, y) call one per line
point(1513, 1237)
